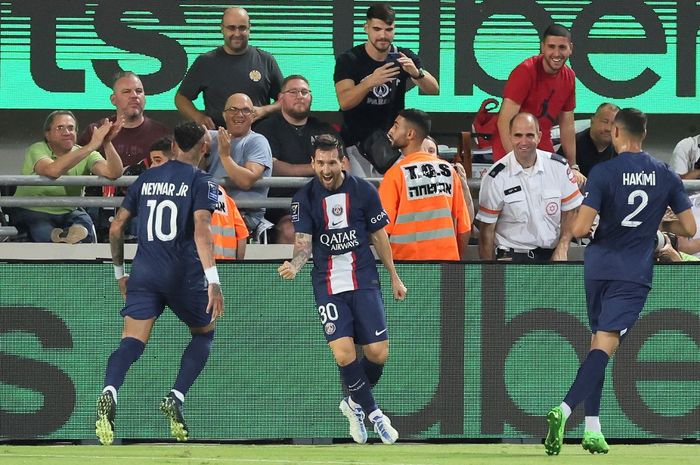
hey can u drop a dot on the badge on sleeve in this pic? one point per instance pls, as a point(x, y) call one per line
point(570, 175)
point(295, 212)
point(213, 191)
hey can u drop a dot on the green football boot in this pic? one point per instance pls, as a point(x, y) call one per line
point(106, 411)
point(555, 433)
point(172, 409)
point(595, 443)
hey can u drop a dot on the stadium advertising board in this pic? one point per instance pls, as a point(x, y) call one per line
point(478, 351)
point(633, 52)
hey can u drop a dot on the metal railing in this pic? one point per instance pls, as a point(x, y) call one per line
point(33, 180)
point(270, 202)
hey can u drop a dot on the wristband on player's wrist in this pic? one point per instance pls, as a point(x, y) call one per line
point(119, 272)
point(575, 167)
point(212, 275)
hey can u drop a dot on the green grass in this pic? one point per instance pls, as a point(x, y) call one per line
point(376, 454)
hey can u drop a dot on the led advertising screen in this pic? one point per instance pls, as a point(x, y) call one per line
point(635, 53)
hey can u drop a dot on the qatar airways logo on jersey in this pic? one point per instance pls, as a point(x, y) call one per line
point(639, 179)
point(341, 240)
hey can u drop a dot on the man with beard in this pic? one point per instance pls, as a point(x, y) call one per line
point(423, 197)
point(290, 134)
point(335, 216)
point(235, 67)
point(371, 81)
point(543, 86)
point(133, 142)
point(139, 132)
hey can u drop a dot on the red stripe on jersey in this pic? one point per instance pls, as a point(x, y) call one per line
point(330, 265)
point(325, 214)
point(354, 269)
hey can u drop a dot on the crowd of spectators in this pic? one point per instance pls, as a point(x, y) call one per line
point(261, 125)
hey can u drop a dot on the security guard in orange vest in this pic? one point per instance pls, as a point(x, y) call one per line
point(228, 229)
point(423, 197)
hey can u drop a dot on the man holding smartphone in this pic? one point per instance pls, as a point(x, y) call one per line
point(370, 84)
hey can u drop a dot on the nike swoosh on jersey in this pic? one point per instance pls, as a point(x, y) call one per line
point(379, 333)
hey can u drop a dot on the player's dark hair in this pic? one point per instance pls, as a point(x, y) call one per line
point(381, 11)
point(52, 116)
point(122, 74)
point(633, 121)
point(292, 77)
point(164, 144)
point(523, 114)
point(326, 143)
point(556, 30)
point(187, 135)
point(419, 120)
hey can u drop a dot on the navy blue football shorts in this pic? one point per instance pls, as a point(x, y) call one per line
point(190, 307)
point(357, 314)
point(614, 306)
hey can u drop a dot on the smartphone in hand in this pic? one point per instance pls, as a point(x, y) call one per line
point(393, 57)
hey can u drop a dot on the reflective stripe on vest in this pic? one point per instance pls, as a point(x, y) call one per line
point(406, 218)
point(223, 231)
point(421, 236)
point(224, 252)
point(424, 215)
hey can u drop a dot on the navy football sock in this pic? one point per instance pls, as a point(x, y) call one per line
point(193, 360)
point(590, 375)
point(372, 370)
point(357, 383)
point(591, 406)
point(129, 350)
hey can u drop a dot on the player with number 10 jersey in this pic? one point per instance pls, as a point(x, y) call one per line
point(165, 197)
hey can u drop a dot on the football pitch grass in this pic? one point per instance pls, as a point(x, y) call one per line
point(374, 454)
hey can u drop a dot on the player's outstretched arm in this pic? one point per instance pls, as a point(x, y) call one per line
point(116, 245)
point(205, 250)
point(302, 252)
point(381, 244)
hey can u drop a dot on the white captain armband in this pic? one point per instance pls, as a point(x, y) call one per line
point(212, 275)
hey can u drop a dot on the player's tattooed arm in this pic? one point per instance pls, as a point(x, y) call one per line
point(116, 245)
point(302, 253)
point(116, 235)
point(302, 250)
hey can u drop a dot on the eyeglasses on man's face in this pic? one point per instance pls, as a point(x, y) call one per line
point(63, 128)
point(298, 92)
point(243, 111)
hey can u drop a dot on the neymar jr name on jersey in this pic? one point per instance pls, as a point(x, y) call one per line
point(163, 188)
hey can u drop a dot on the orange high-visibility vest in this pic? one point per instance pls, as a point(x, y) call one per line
point(423, 198)
point(227, 227)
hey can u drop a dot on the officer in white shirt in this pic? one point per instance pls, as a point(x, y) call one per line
point(527, 201)
point(686, 158)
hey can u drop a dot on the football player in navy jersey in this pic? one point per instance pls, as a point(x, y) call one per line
point(335, 216)
point(174, 266)
point(630, 193)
